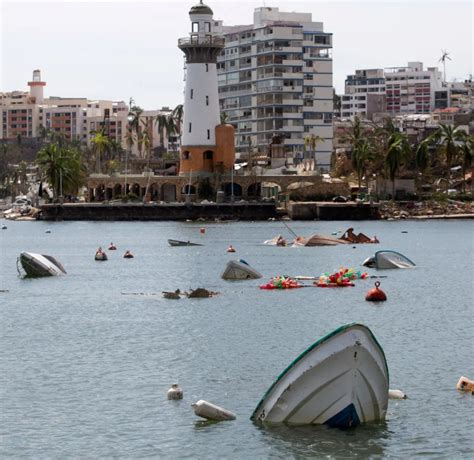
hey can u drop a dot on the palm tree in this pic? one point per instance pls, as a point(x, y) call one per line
point(101, 146)
point(146, 141)
point(362, 155)
point(312, 141)
point(444, 57)
point(164, 126)
point(466, 148)
point(422, 156)
point(135, 113)
point(177, 116)
point(62, 167)
point(396, 150)
point(447, 138)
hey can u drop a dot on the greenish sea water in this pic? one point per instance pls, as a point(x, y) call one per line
point(86, 359)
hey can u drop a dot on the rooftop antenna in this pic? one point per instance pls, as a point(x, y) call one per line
point(442, 59)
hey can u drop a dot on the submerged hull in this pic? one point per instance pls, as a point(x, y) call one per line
point(388, 259)
point(182, 243)
point(36, 265)
point(341, 380)
point(318, 240)
point(238, 270)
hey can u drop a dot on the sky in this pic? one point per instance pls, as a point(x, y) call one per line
point(121, 49)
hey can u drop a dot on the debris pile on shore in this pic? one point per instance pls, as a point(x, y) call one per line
point(21, 213)
point(405, 210)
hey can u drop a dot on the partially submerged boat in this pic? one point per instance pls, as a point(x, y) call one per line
point(388, 259)
point(277, 241)
point(318, 240)
point(240, 270)
point(100, 256)
point(36, 265)
point(341, 380)
point(182, 243)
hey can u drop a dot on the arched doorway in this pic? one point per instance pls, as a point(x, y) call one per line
point(109, 193)
point(254, 190)
point(117, 190)
point(188, 190)
point(135, 189)
point(99, 192)
point(168, 192)
point(154, 192)
point(228, 186)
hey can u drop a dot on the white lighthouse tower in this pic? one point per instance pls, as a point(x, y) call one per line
point(200, 145)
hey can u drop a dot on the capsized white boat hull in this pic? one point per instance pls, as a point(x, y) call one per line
point(36, 265)
point(388, 259)
point(240, 270)
point(342, 380)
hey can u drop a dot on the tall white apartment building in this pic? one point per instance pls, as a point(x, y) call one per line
point(364, 93)
point(275, 78)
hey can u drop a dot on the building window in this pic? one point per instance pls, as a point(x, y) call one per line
point(207, 100)
point(208, 133)
point(186, 155)
point(195, 27)
point(207, 26)
point(208, 154)
point(192, 92)
point(190, 126)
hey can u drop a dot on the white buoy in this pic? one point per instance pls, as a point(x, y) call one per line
point(210, 411)
point(48, 231)
point(4, 227)
point(175, 392)
point(396, 394)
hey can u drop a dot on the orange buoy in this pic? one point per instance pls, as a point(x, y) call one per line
point(202, 230)
point(464, 384)
point(230, 248)
point(376, 294)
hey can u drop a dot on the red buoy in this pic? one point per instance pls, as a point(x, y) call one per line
point(376, 294)
point(202, 230)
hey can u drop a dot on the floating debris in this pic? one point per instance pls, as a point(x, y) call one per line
point(200, 293)
point(175, 392)
point(210, 411)
point(396, 394)
point(172, 295)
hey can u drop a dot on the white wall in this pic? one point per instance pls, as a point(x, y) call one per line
point(202, 117)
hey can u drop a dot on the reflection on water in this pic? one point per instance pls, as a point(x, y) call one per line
point(366, 441)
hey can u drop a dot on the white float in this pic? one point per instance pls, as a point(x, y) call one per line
point(396, 394)
point(175, 392)
point(210, 411)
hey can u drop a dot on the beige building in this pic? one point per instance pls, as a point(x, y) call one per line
point(23, 113)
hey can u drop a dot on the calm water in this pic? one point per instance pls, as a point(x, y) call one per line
point(84, 369)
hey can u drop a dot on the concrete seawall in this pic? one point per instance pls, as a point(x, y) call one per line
point(332, 211)
point(154, 212)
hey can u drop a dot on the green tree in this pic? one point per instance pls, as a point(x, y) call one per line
point(362, 155)
point(101, 146)
point(62, 167)
point(312, 141)
point(466, 148)
point(396, 152)
point(164, 124)
point(448, 138)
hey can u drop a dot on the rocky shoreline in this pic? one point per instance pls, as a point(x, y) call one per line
point(426, 210)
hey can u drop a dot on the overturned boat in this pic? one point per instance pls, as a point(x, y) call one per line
point(240, 270)
point(182, 243)
point(35, 265)
point(388, 259)
point(341, 380)
point(318, 240)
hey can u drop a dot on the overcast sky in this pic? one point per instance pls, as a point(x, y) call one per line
point(117, 49)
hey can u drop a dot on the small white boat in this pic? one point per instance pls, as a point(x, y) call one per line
point(388, 259)
point(182, 243)
point(341, 380)
point(36, 265)
point(240, 270)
